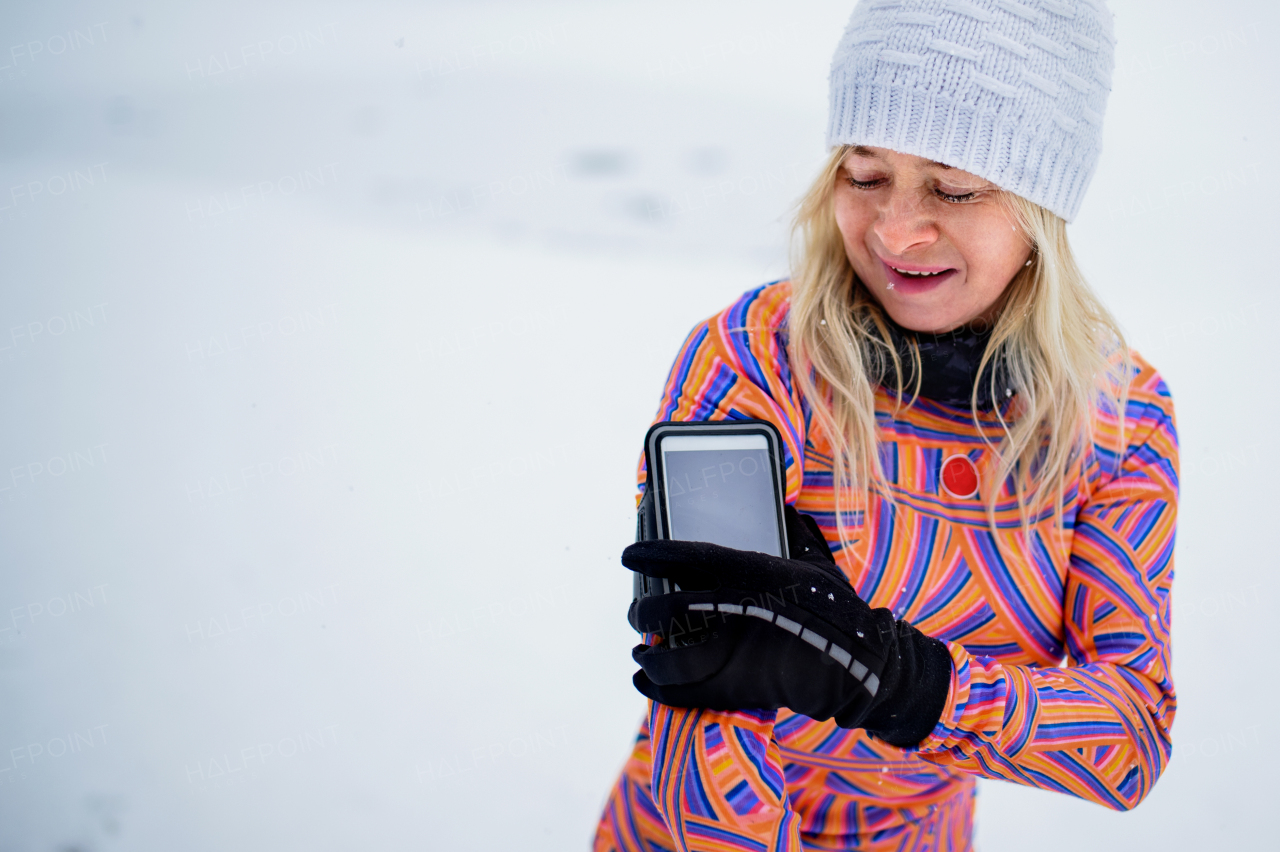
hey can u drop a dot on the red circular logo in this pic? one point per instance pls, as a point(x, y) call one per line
point(960, 477)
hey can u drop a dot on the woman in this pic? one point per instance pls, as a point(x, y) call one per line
point(984, 478)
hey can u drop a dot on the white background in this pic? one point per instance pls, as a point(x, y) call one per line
point(328, 337)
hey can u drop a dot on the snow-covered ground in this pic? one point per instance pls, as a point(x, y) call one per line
point(328, 335)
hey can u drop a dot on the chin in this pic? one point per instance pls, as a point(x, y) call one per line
point(923, 318)
point(927, 325)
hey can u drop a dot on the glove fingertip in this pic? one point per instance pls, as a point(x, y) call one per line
point(644, 556)
point(682, 561)
point(644, 686)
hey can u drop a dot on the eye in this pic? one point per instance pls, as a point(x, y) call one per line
point(960, 198)
point(866, 184)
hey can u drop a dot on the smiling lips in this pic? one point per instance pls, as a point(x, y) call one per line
point(912, 278)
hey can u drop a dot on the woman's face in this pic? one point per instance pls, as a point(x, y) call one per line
point(934, 245)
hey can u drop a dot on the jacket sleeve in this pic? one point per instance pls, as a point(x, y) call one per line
point(1097, 727)
point(717, 776)
point(718, 780)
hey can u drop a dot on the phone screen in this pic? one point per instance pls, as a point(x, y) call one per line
point(719, 488)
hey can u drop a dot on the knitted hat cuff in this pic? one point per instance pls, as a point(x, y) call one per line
point(1011, 90)
point(1044, 165)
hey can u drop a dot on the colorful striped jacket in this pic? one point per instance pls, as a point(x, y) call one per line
point(1062, 662)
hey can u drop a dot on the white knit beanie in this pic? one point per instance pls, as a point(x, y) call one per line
point(1010, 90)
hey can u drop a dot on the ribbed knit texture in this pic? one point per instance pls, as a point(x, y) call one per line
point(1011, 90)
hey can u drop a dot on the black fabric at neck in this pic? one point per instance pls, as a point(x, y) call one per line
point(949, 366)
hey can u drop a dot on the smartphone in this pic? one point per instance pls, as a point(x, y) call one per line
point(718, 481)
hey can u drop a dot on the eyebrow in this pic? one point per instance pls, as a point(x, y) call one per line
point(864, 151)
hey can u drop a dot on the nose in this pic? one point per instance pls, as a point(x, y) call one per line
point(904, 224)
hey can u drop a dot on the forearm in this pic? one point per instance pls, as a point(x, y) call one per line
point(1098, 731)
point(717, 779)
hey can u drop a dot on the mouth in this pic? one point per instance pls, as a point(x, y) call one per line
point(916, 279)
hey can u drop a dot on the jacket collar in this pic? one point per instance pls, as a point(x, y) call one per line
point(949, 366)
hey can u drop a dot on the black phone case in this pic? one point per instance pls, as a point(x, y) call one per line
point(648, 524)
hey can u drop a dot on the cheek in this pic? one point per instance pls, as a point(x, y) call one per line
point(853, 220)
point(993, 253)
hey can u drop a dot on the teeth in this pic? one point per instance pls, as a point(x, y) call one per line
point(916, 274)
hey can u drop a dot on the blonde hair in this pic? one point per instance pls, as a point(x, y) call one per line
point(1055, 342)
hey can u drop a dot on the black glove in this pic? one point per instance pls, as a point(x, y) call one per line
point(751, 631)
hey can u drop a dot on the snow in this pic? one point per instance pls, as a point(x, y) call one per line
point(328, 335)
